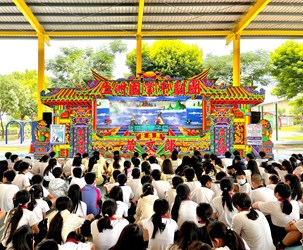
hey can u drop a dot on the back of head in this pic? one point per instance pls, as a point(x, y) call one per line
point(236, 152)
point(13, 157)
point(174, 156)
point(176, 181)
point(144, 155)
point(9, 175)
point(136, 173)
point(90, 178)
point(47, 244)
point(199, 245)
point(77, 172)
point(146, 179)
point(284, 192)
point(274, 178)
point(57, 172)
point(77, 162)
point(23, 166)
point(226, 186)
point(250, 156)
point(147, 189)
point(52, 154)
point(243, 201)
point(156, 174)
point(85, 155)
point(189, 174)
point(227, 154)
point(116, 174)
point(37, 179)
point(136, 162)
point(127, 164)
point(204, 179)
point(152, 159)
point(122, 179)
point(7, 155)
point(44, 158)
point(220, 175)
point(182, 191)
point(187, 234)
point(204, 211)
point(256, 178)
point(116, 193)
point(23, 238)
point(262, 154)
point(167, 167)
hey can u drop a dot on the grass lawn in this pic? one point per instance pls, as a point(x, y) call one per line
point(296, 128)
point(21, 148)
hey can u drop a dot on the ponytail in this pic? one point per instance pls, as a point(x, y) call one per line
point(145, 167)
point(15, 215)
point(286, 207)
point(160, 208)
point(51, 164)
point(252, 215)
point(91, 162)
point(182, 194)
point(284, 192)
point(147, 189)
point(109, 209)
point(226, 186)
point(243, 201)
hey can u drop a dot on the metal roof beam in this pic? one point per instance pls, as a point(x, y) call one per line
point(30, 17)
point(247, 19)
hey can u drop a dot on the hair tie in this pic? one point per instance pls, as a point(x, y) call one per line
point(225, 188)
point(106, 215)
point(20, 204)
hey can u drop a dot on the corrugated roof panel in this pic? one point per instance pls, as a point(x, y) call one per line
point(191, 26)
point(198, 1)
point(279, 18)
point(89, 10)
point(101, 19)
point(78, 1)
point(16, 27)
point(190, 18)
point(276, 26)
point(283, 9)
point(286, 1)
point(9, 9)
point(12, 18)
point(50, 27)
point(197, 9)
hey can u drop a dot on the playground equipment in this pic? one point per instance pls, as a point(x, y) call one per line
point(21, 124)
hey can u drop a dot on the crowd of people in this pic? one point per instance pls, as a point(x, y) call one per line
point(167, 203)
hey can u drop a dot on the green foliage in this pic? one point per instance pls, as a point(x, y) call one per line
point(171, 57)
point(73, 65)
point(287, 63)
point(297, 104)
point(255, 68)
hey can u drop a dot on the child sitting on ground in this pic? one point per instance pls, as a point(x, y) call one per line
point(58, 187)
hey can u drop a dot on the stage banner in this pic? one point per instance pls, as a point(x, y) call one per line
point(57, 134)
point(254, 134)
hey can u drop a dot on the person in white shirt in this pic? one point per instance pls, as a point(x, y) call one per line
point(295, 186)
point(39, 166)
point(250, 224)
point(47, 173)
point(106, 230)
point(281, 211)
point(19, 216)
point(260, 192)
point(204, 212)
point(215, 186)
point(58, 186)
point(273, 181)
point(77, 163)
point(135, 182)
point(161, 229)
point(78, 178)
point(227, 161)
point(75, 241)
point(224, 238)
point(171, 193)
point(158, 184)
point(8, 190)
point(189, 174)
point(242, 185)
point(78, 206)
point(153, 163)
point(183, 209)
point(116, 194)
point(222, 205)
point(21, 180)
point(204, 193)
point(128, 195)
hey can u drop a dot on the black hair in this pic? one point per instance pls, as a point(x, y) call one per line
point(187, 234)
point(74, 193)
point(91, 162)
point(9, 175)
point(57, 172)
point(56, 224)
point(3, 168)
point(51, 164)
point(237, 157)
point(77, 172)
point(146, 179)
point(145, 167)
point(250, 156)
point(288, 166)
point(116, 193)
point(109, 208)
point(176, 180)
point(189, 174)
point(116, 152)
point(206, 157)
point(23, 238)
point(199, 245)
point(152, 159)
point(122, 179)
point(131, 238)
point(174, 156)
point(21, 198)
point(144, 155)
point(204, 179)
point(236, 152)
point(52, 154)
point(37, 179)
point(44, 158)
point(295, 185)
point(262, 154)
point(84, 155)
point(147, 189)
point(8, 155)
point(253, 167)
point(284, 192)
point(182, 191)
point(14, 157)
point(136, 162)
point(116, 164)
point(96, 154)
point(36, 192)
point(220, 175)
point(270, 169)
point(204, 211)
point(167, 167)
point(23, 166)
point(16, 165)
point(208, 167)
point(156, 174)
point(136, 173)
point(78, 155)
point(90, 178)
point(274, 178)
point(244, 202)
point(227, 154)
point(127, 165)
point(116, 173)
point(240, 172)
point(75, 236)
point(47, 244)
point(136, 154)
point(161, 207)
point(213, 156)
point(218, 162)
point(230, 237)
point(77, 162)
point(226, 186)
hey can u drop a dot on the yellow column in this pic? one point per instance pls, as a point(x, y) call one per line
point(139, 54)
point(236, 61)
point(40, 73)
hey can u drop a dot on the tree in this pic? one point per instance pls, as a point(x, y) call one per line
point(255, 68)
point(73, 65)
point(172, 57)
point(287, 61)
point(297, 104)
point(9, 99)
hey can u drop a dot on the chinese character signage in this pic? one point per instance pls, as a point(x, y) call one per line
point(254, 134)
point(57, 134)
point(148, 128)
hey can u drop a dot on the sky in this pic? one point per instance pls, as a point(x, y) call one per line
point(21, 54)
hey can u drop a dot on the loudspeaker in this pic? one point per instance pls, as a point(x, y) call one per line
point(48, 118)
point(255, 117)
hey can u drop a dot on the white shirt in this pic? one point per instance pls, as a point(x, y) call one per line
point(215, 186)
point(134, 184)
point(127, 195)
point(202, 194)
point(145, 207)
point(22, 181)
point(226, 162)
point(7, 192)
point(122, 210)
point(193, 185)
point(81, 209)
point(42, 166)
point(162, 239)
point(28, 218)
point(79, 181)
point(262, 194)
point(40, 208)
point(224, 215)
point(170, 197)
point(187, 212)
point(161, 187)
point(256, 233)
point(74, 246)
point(154, 166)
point(109, 237)
point(245, 188)
point(278, 218)
point(271, 186)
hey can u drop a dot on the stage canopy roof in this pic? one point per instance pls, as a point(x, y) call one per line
point(151, 18)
